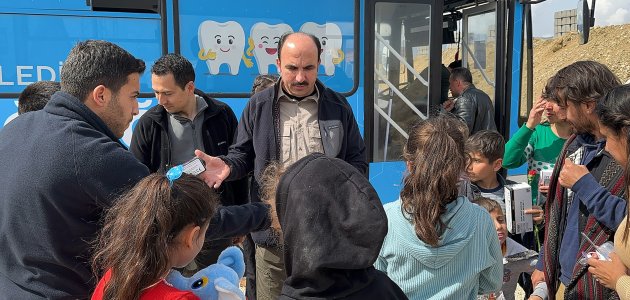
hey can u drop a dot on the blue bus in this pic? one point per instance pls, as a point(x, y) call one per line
point(384, 56)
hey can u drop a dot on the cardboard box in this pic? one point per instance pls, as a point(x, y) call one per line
point(518, 198)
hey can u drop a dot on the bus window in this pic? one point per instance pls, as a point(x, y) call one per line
point(479, 46)
point(401, 80)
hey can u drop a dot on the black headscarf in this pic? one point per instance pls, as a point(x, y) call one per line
point(333, 225)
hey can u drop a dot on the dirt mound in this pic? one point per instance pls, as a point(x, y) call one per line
point(607, 45)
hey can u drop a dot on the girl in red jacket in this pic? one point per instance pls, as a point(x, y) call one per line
point(158, 225)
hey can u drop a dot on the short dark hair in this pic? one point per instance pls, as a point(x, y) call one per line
point(179, 66)
point(36, 95)
point(455, 64)
point(462, 74)
point(262, 82)
point(488, 143)
point(92, 63)
point(613, 111)
point(283, 38)
point(583, 81)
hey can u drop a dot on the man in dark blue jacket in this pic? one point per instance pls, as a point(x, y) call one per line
point(586, 191)
point(284, 123)
point(65, 164)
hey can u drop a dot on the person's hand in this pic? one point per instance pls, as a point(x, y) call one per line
point(535, 115)
point(238, 240)
point(607, 272)
point(534, 297)
point(448, 104)
point(216, 170)
point(543, 189)
point(536, 212)
point(537, 277)
point(571, 173)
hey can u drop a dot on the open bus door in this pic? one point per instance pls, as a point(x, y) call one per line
point(484, 43)
point(401, 38)
point(488, 31)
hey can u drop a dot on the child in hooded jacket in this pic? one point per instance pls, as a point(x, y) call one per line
point(439, 245)
point(332, 226)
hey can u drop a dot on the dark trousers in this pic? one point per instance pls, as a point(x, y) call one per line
point(249, 251)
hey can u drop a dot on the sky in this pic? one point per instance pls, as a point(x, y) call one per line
point(607, 12)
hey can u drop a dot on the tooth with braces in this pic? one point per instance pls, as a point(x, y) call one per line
point(329, 35)
point(263, 43)
point(221, 43)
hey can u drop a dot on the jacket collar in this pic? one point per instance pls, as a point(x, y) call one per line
point(159, 115)
point(64, 104)
point(469, 87)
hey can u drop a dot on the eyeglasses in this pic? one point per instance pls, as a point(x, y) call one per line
point(174, 173)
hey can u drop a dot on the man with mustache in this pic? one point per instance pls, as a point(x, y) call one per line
point(296, 117)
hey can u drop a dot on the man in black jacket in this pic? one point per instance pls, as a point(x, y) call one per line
point(471, 104)
point(65, 165)
point(295, 117)
point(186, 119)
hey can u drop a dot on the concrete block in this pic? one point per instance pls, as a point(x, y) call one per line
point(566, 28)
point(573, 20)
point(574, 12)
point(557, 14)
point(566, 21)
point(573, 27)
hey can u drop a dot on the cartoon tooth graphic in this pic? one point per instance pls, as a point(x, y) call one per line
point(221, 43)
point(263, 42)
point(329, 35)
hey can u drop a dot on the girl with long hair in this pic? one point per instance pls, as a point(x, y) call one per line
point(439, 245)
point(158, 225)
point(614, 124)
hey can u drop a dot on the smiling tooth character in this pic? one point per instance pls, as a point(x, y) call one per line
point(330, 37)
point(263, 42)
point(221, 43)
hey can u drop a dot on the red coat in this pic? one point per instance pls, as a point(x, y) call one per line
point(160, 291)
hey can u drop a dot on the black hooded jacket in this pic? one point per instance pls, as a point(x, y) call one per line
point(333, 227)
point(151, 145)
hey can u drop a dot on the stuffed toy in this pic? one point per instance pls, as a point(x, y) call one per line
point(219, 281)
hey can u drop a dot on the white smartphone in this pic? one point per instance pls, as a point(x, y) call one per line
point(194, 166)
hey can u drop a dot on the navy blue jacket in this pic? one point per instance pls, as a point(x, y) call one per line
point(258, 138)
point(63, 166)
